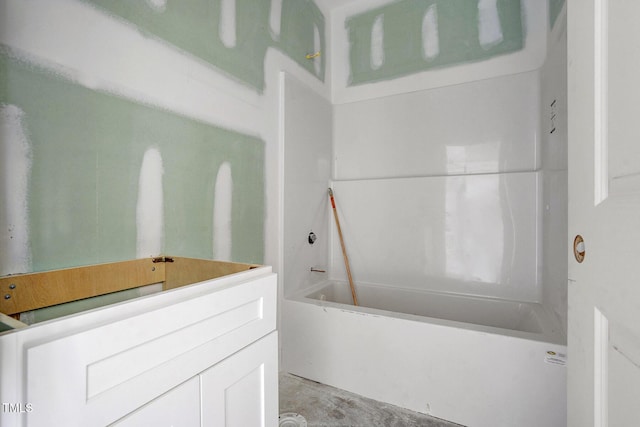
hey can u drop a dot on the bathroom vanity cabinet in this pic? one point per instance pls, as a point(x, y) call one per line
point(203, 351)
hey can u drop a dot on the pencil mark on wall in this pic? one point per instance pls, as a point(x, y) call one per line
point(15, 158)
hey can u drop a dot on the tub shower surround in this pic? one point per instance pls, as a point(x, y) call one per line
point(439, 172)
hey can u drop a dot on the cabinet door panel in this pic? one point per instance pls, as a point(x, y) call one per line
point(243, 389)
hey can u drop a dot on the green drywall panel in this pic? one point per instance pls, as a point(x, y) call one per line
point(458, 36)
point(299, 17)
point(87, 150)
point(193, 26)
point(555, 7)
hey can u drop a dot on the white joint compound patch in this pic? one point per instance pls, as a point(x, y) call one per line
point(227, 29)
point(430, 38)
point(275, 17)
point(157, 5)
point(16, 159)
point(222, 203)
point(317, 61)
point(377, 43)
point(150, 208)
point(489, 27)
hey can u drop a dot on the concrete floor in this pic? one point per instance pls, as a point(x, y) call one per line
point(326, 406)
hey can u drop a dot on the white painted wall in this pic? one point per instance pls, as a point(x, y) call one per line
point(307, 171)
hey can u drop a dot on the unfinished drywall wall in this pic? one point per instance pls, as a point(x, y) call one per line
point(88, 151)
point(148, 133)
point(384, 47)
point(409, 36)
point(232, 35)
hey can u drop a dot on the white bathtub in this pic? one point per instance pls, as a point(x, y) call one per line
point(474, 361)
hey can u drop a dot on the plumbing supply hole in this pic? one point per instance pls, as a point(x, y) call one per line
point(291, 419)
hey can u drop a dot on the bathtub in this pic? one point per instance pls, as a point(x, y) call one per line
point(471, 360)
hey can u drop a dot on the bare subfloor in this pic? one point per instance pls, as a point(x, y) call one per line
point(323, 405)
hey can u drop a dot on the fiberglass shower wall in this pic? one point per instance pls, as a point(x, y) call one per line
point(438, 151)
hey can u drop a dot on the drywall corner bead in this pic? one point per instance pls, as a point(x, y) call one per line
point(424, 34)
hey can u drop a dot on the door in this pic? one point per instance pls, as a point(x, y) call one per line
point(604, 208)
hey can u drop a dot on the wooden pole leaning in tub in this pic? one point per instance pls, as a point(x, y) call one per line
point(344, 249)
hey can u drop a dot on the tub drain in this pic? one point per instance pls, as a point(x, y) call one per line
point(291, 419)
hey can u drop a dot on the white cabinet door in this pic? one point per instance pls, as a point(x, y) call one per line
point(242, 390)
point(179, 407)
point(604, 208)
